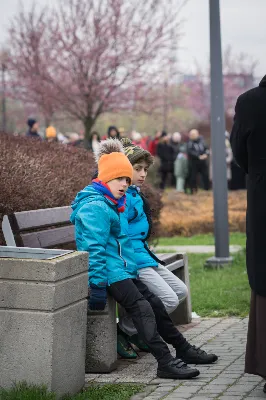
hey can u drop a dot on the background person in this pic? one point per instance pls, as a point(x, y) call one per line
point(33, 129)
point(94, 141)
point(50, 134)
point(166, 155)
point(175, 142)
point(181, 168)
point(198, 154)
point(113, 133)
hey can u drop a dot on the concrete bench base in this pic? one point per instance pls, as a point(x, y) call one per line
point(43, 313)
point(101, 347)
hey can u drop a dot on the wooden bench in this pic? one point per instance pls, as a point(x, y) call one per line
point(51, 228)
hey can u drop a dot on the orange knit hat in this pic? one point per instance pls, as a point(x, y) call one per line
point(112, 162)
point(50, 132)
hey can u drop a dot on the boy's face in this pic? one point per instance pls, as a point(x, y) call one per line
point(140, 171)
point(119, 186)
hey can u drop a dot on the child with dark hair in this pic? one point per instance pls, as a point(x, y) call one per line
point(112, 267)
point(137, 224)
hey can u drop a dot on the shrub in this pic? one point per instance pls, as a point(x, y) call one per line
point(187, 215)
point(36, 174)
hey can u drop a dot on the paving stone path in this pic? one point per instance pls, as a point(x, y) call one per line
point(224, 380)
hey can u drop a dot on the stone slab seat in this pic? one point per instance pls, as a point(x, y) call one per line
point(51, 228)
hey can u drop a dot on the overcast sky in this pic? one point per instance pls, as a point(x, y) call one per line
point(243, 27)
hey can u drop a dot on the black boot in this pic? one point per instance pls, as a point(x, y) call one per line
point(194, 355)
point(176, 369)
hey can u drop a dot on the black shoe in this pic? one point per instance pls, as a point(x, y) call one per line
point(264, 389)
point(176, 369)
point(195, 355)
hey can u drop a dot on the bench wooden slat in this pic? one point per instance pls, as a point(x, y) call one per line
point(168, 258)
point(27, 220)
point(172, 261)
point(175, 265)
point(8, 232)
point(49, 238)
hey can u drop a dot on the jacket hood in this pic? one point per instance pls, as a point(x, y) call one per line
point(133, 189)
point(263, 82)
point(86, 195)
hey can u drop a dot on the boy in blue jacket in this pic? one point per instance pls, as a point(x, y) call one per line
point(137, 224)
point(96, 215)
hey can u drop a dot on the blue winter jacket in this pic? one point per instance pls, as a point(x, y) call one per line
point(135, 224)
point(98, 231)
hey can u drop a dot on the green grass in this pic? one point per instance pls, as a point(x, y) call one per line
point(23, 391)
point(236, 238)
point(219, 292)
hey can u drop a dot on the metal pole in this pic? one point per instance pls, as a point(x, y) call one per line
point(221, 230)
point(165, 105)
point(3, 98)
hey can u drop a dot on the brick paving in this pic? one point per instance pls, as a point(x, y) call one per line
point(224, 380)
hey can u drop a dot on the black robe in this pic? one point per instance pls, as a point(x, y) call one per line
point(248, 141)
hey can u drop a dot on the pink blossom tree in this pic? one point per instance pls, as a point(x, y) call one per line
point(87, 57)
point(238, 76)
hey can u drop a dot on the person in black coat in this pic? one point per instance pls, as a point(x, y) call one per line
point(166, 154)
point(33, 129)
point(248, 141)
point(198, 154)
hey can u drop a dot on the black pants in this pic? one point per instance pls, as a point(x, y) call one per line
point(167, 177)
point(199, 167)
point(149, 316)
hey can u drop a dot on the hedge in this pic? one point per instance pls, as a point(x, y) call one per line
point(35, 174)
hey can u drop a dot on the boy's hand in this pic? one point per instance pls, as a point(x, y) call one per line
point(98, 297)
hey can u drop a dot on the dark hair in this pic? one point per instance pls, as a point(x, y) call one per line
point(95, 133)
point(31, 122)
point(111, 128)
point(146, 157)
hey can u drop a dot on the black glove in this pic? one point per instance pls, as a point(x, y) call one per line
point(98, 297)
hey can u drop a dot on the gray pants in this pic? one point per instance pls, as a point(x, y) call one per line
point(164, 284)
point(180, 184)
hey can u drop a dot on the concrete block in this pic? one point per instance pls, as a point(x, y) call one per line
point(101, 347)
point(183, 313)
point(43, 315)
point(44, 270)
